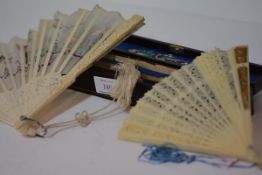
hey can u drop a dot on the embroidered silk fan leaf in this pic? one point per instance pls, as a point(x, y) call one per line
point(203, 107)
point(35, 71)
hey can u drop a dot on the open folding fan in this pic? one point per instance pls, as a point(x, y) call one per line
point(202, 107)
point(35, 71)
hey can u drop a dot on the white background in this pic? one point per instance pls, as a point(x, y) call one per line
point(202, 24)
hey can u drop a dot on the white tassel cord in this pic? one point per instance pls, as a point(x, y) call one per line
point(127, 77)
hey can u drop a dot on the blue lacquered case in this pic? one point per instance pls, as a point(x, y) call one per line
point(155, 60)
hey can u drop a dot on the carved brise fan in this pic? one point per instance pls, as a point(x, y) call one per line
point(35, 71)
point(202, 107)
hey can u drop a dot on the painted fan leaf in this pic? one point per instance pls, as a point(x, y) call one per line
point(35, 71)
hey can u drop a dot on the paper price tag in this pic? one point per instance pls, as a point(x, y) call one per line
point(103, 85)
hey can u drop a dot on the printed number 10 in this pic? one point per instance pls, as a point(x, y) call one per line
point(107, 86)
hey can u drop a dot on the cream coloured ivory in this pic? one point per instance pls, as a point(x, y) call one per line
point(35, 71)
point(202, 107)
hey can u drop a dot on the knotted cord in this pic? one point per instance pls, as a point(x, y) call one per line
point(127, 76)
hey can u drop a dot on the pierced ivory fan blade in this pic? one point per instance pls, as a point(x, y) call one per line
point(202, 107)
point(35, 71)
